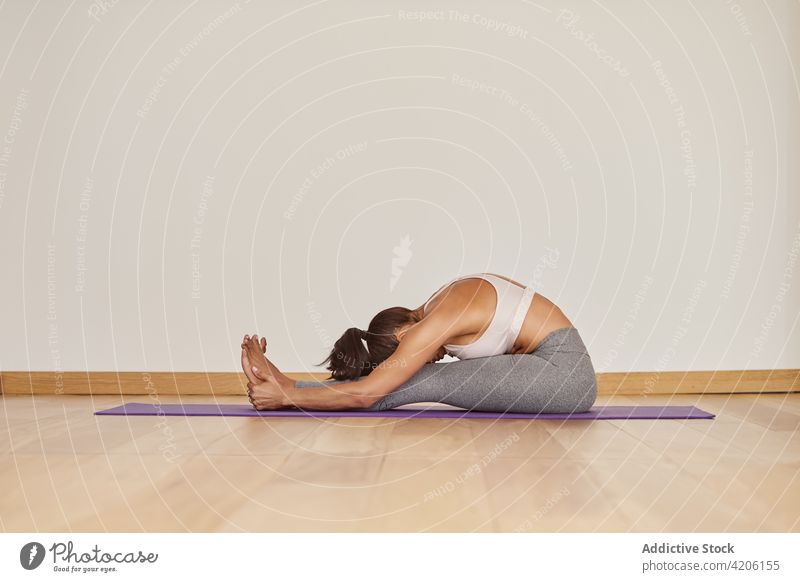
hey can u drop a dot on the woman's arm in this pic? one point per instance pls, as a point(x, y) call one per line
point(418, 346)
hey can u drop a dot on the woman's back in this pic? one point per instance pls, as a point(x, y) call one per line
point(502, 315)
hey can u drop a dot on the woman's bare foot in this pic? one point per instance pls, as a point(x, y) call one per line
point(256, 365)
point(266, 389)
point(247, 367)
point(262, 345)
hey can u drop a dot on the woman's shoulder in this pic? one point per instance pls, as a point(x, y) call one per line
point(451, 295)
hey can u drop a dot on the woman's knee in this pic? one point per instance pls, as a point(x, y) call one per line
point(588, 398)
point(587, 388)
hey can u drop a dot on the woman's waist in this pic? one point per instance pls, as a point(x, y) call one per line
point(563, 339)
point(541, 319)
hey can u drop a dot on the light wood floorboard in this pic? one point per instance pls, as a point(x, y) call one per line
point(64, 469)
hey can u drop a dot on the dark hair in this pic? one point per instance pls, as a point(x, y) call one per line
point(349, 359)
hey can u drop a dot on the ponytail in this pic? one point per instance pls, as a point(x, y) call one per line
point(349, 358)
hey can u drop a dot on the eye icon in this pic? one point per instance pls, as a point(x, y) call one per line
point(31, 555)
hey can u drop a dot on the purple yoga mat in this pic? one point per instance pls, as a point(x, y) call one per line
point(595, 413)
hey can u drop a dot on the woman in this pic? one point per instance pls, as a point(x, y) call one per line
point(517, 353)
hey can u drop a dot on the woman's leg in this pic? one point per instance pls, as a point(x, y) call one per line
point(557, 377)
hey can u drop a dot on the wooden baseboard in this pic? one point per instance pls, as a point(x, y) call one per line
point(227, 383)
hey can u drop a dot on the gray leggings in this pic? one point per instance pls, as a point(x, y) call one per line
point(557, 376)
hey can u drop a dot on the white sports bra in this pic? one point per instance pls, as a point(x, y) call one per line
point(513, 302)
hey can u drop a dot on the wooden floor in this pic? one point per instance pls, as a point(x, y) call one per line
point(64, 469)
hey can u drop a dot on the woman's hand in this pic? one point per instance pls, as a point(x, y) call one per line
point(268, 395)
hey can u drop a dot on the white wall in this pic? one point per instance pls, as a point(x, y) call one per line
point(164, 185)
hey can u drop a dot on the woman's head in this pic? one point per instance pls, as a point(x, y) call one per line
point(350, 359)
